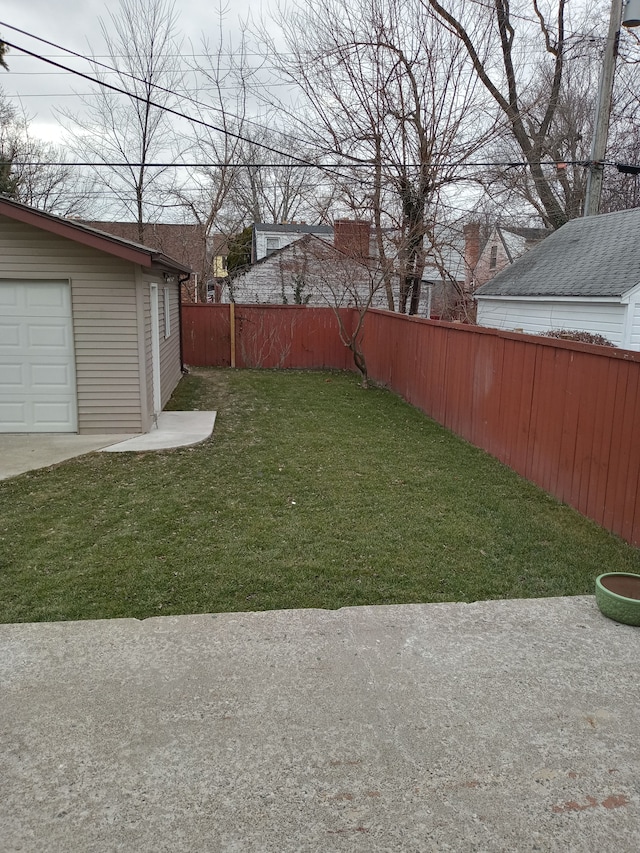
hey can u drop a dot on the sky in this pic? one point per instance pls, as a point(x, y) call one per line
point(38, 88)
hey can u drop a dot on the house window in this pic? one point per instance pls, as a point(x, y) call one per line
point(167, 313)
point(493, 259)
point(273, 243)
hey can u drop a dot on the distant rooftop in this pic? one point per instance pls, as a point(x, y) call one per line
point(293, 228)
point(593, 256)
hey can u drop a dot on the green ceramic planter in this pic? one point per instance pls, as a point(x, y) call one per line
point(618, 596)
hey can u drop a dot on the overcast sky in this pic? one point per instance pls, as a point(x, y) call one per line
point(74, 24)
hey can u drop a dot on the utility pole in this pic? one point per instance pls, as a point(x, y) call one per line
point(605, 93)
point(603, 111)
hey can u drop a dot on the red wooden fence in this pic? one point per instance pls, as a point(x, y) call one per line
point(286, 336)
point(564, 415)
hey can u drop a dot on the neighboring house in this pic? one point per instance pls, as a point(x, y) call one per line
point(504, 245)
point(284, 275)
point(583, 277)
point(443, 279)
point(219, 249)
point(89, 327)
point(188, 244)
point(313, 271)
point(267, 239)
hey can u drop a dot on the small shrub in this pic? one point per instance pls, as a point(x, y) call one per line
point(581, 337)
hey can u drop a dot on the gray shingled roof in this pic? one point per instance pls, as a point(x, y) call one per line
point(593, 256)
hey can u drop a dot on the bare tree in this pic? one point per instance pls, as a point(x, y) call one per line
point(343, 280)
point(275, 186)
point(219, 139)
point(621, 186)
point(565, 148)
point(527, 56)
point(30, 169)
point(140, 39)
point(385, 90)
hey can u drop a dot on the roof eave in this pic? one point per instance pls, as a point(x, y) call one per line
point(88, 237)
point(542, 297)
point(630, 291)
point(164, 261)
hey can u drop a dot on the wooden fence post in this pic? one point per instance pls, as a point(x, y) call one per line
point(232, 329)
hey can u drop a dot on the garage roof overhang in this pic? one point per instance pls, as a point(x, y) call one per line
point(87, 236)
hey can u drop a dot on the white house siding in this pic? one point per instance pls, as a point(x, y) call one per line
point(104, 320)
point(634, 336)
point(329, 278)
point(535, 316)
point(263, 282)
point(277, 240)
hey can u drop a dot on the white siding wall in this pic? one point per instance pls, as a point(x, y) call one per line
point(328, 279)
point(634, 337)
point(283, 239)
point(104, 320)
point(535, 316)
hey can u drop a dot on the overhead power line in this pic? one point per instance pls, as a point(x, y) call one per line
point(507, 164)
point(299, 162)
point(171, 111)
point(113, 70)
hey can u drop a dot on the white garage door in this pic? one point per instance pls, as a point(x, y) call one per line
point(37, 366)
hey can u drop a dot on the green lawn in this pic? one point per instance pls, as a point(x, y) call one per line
point(311, 493)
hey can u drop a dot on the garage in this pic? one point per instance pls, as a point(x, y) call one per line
point(89, 327)
point(37, 374)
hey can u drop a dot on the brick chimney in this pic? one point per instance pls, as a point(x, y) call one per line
point(351, 236)
point(471, 253)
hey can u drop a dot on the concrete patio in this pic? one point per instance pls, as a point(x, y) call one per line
point(494, 726)
point(22, 452)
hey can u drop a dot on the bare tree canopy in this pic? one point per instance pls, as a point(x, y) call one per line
point(30, 169)
point(529, 56)
point(140, 39)
point(384, 85)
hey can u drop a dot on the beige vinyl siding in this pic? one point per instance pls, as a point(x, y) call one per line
point(104, 320)
point(170, 372)
point(148, 355)
point(170, 368)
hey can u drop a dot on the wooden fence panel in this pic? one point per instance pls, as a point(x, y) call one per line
point(269, 336)
point(290, 336)
point(206, 335)
point(564, 415)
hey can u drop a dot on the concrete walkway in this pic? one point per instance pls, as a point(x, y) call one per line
point(28, 451)
point(497, 726)
point(175, 429)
